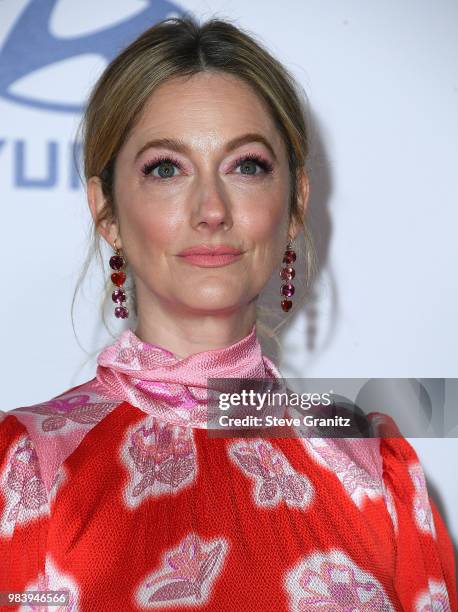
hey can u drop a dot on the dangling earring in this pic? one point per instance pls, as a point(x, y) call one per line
point(287, 274)
point(118, 278)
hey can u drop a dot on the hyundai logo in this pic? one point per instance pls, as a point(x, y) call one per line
point(30, 46)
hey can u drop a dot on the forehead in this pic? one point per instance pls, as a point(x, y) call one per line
point(213, 104)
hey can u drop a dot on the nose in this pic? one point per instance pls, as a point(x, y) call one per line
point(212, 209)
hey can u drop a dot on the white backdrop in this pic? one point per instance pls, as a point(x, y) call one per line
point(382, 83)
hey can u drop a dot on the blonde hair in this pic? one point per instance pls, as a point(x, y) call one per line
point(177, 47)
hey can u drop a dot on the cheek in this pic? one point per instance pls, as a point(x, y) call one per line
point(269, 223)
point(146, 228)
point(148, 221)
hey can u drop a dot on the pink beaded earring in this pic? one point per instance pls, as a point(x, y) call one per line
point(118, 278)
point(287, 274)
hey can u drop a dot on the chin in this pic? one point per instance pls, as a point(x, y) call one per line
point(213, 306)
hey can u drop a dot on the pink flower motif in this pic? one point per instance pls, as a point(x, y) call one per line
point(78, 408)
point(159, 443)
point(357, 481)
point(343, 588)
point(270, 459)
point(25, 480)
point(276, 480)
point(186, 563)
point(187, 572)
point(68, 404)
point(164, 457)
point(332, 582)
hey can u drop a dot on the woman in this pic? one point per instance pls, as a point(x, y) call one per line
point(194, 150)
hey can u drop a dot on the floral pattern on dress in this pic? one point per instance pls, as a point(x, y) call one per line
point(22, 487)
point(357, 481)
point(161, 459)
point(187, 574)
point(330, 581)
point(275, 479)
point(59, 425)
point(53, 580)
point(421, 507)
point(433, 599)
point(81, 407)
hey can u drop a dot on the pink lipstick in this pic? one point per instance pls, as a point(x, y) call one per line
point(207, 256)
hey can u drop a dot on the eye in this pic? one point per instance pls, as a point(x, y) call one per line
point(249, 163)
point(165, 165)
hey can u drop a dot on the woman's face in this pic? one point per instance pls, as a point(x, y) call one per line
point(205, 193)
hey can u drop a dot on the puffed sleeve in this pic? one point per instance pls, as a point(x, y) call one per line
point(425, 562)
point(24, 508)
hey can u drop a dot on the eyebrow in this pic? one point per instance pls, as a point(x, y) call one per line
point(180, 146)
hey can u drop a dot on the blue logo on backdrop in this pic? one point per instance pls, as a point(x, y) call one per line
point(30, 46)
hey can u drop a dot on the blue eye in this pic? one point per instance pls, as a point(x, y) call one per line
point(251, 160)
point(162, 161)
point(246, 161)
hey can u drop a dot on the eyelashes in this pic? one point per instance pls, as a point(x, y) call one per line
point(152, 165)
point(263, 163)
point(266, 166)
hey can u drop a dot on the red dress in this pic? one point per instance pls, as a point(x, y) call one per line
point(115, 493)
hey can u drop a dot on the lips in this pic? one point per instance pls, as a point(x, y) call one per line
point(206, 256)
point(210, 250)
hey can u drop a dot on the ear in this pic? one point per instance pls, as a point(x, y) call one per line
point(107, 228)
point(303, 192)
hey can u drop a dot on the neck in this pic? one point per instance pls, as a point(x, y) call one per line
point(184, 336)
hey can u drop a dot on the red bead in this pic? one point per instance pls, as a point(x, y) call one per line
point(286, 305)
point(287, 290)
point(290, 257)
point(118, 296)
point(288, 273)
point(118, 278)
point(121, 312)
point(116, 262)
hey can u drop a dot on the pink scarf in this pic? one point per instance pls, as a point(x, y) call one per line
point(152, 378)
